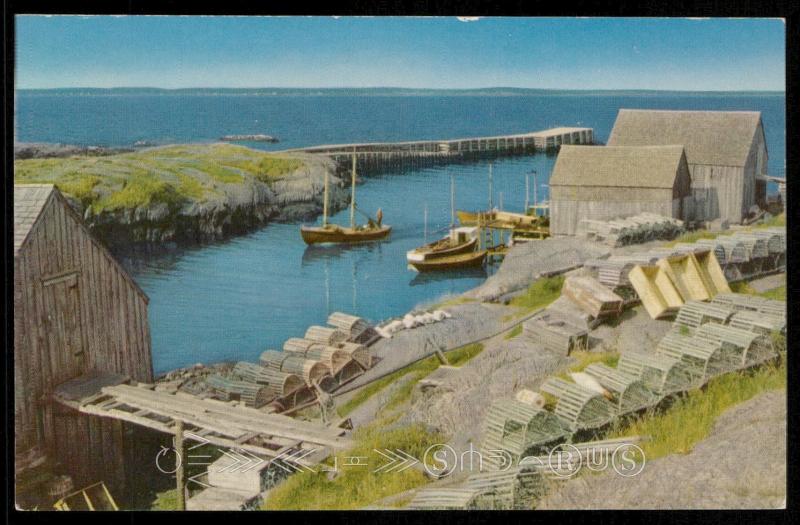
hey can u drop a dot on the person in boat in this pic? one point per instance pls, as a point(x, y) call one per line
point(376, 224)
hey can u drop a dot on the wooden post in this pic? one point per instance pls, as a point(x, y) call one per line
point(179, 471)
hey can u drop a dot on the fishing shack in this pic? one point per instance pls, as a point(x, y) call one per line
point(79, 318)
point(604, 182)
point(726, 152)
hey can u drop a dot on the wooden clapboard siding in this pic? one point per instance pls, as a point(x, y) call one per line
point(565, 214)
point(602, 183)
point(76, 311)
point(718, 192)
point(722, 150)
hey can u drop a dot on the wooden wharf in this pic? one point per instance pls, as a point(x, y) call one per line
point(376, 155)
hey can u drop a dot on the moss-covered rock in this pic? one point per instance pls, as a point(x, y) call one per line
point(187, 193)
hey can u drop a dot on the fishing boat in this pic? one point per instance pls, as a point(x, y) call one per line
point(333, 233)
point(458, 241)
point(473, 259)
point(470, 218)
point(461, 240)
point(457, 250)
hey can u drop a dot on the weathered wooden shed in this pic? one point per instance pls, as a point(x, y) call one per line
point(77, 313)
point(726, 152)
point(603, 182)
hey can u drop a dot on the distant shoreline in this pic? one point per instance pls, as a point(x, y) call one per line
point(380, 92)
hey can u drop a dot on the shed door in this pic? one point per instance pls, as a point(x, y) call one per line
point(63, 327)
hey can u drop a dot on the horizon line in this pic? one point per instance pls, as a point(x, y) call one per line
point(402, 88)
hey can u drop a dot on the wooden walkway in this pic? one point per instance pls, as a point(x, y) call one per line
point(218, 422)
point(377, 154)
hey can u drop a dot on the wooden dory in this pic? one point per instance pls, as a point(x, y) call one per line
point(451, 262)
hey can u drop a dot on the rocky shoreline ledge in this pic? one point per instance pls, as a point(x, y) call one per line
point(187, 194)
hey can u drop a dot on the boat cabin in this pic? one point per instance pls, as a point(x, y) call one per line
point(463, 234)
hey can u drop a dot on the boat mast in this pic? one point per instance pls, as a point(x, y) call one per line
point(425, 220)
point(490, 186)
point(535, 192)
point(325, 202)
point(353, 196)
point(452, 202)
point(527, 193)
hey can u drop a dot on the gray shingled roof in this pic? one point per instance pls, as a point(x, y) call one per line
point(617, 166)
point(719, 138)
point(29, 200)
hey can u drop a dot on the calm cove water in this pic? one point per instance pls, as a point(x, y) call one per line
point(232, 300)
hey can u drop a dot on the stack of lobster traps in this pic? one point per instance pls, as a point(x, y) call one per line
point(637, 229)
point(324, 359)
point(664, 278)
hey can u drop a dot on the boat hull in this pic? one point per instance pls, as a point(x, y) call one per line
point(467, 218)
point(451, 262)
point(337, 234)
point(428, 252)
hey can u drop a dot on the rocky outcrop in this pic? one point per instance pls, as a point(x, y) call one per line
point(740, 465)
point(41, 150)
point(232, 209)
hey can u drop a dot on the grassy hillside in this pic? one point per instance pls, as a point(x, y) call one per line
point(170, 174)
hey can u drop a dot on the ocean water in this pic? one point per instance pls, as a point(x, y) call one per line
point(234, 299)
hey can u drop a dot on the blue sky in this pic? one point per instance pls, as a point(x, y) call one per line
point(567, 53)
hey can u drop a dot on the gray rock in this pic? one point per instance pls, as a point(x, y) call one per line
point(525, 263)
point(741, 465)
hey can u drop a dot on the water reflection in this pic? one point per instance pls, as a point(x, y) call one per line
point(319, 252)
point(433, 277)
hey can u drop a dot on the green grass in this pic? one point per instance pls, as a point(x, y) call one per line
point(453, 301)
point(418, 370)
point(79, 186)
point(778, 294)
point(691, 237)
point(357, 486)
point(167, 500)
point(777, 220)
point(514, 332)
point(742, 287)
point(585, 358)
point(141, 191)
point(538, 295)
point(459, 356)
point(691, 419)
point(171, 175)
